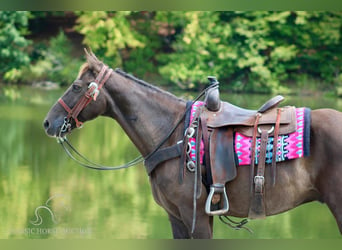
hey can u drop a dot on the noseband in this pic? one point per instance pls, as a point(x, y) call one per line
point(91, 94)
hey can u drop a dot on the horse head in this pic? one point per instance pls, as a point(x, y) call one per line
point(84, 100)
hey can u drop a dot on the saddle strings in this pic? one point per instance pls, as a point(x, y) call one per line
point(235, 225)
point(85, 162)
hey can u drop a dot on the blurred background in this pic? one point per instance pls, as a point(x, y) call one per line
point(256, 51)
point(254, 55)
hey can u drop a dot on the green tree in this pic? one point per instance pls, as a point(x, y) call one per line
point(109, 34)
point(57, 63)
point(259, 51)
point(255, 51)
point(13, 44)
point(200, 49)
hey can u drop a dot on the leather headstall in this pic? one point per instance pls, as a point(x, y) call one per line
point(91, 94)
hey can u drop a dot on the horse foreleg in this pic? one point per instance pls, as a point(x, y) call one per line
point(182, 230)
point(179, 230)
point(203, 227)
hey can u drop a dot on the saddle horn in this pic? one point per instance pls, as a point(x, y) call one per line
point(212, 95)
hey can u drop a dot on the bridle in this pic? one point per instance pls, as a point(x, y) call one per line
point(91, 94)
point(72, 113)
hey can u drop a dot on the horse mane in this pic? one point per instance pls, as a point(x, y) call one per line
point(143, 83)
point(135, 79)
point(85, 67)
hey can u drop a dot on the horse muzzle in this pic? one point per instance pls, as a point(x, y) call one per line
point(57, 127)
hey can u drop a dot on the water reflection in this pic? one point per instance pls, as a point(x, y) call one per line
point(85, 203)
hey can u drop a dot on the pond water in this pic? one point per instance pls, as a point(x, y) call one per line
point(44, 194)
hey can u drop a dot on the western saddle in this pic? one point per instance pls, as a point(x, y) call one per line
point(221, 120)
point(215, 124)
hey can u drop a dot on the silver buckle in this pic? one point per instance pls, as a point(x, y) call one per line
point(259, 177)
point(191, 166)
point(95, 92)
point(190, 132)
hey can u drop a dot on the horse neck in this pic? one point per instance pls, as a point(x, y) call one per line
point(146, 113)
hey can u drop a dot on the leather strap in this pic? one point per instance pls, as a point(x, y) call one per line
point(183, 158)
point(257, 204)
point(198, 160)
point(105, 78)
point(90, 95)
point(64, 105)
point(255, 132)
point(162, 155)
point(275, 148)
point(259, 179)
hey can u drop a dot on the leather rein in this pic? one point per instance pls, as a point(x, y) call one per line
point(91, 95)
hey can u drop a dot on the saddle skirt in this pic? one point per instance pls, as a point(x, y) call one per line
point(289, 146)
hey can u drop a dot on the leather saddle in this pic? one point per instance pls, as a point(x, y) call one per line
point(221, 120)
point(215, 124)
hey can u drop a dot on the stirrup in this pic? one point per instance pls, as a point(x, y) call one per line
point(220, 189)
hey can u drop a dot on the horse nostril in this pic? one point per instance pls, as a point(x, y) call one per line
point(46, 124)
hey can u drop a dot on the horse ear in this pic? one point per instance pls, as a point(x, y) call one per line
point(94, 63)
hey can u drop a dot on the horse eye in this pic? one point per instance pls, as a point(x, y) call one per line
point(76, 88)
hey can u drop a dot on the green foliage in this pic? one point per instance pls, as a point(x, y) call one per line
point(198, 49)
point(142, 60)
point(13, 27)
point(108, 34)
point(259, 51)
point(63, 66)
point(255, 51)
point(55, 63)
point(11, 93)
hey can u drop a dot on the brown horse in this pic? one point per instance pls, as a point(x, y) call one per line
point(147, 114)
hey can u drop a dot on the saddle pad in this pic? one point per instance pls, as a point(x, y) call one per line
point(290, 146)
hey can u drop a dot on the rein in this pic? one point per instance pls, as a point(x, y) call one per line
point(91, 94)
